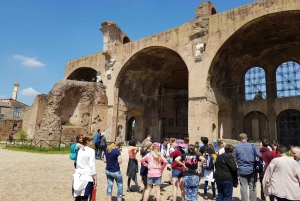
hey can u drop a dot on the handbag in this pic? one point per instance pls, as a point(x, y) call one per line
point(94, 193)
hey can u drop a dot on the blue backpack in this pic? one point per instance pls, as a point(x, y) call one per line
point(73, 152)
point(209, 162)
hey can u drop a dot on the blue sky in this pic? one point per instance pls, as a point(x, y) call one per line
point(38, 37)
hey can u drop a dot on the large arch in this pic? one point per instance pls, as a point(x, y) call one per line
point(83, 74)
point(155, 83)
point(256, 126)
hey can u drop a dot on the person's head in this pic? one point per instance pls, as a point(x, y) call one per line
point(281, 150)
point(147, 145)
point(205, 140)
point(111, 147)
point(274, 144)
point(243, 137)
point(197, 144)
point(149, 137)
point(172, 140)
point(87, 141)
point(186, 140)
point(118, 145)
point(155, 151)
point(79, 138)
point(229, 149)
point(296, 152)
point(98, 131)
point(210, 149)
point(132, 143)
point(179, 144)
point(221, 143)
point(265, 143)
point(166, 141)
point(191, 149)
point(201, 139)
point(215, 142)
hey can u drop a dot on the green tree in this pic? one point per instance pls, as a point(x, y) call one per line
point(23, 135)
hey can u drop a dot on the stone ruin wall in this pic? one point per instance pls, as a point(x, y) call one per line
point(80, 107)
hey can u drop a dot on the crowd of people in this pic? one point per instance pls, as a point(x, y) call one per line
point(221, 165)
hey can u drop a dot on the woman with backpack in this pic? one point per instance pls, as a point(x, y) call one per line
point(191, 176)
point(208, 170)
point(113, 159)
point(75, 148)
point(155, 162)
point(85, 176)
point(144, 170)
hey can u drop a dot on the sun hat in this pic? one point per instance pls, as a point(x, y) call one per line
point(215, 141)
point(155, 144)
point(180, 143)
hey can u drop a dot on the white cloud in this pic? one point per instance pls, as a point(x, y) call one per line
point(29, 92)
point(30, 62)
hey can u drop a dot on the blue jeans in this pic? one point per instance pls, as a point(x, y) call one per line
point(225, 189)
point(110, 181)
point(191, 184)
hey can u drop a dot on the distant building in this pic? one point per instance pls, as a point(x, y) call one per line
point(11, 115)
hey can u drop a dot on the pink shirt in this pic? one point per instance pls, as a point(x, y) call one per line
point(155, 168)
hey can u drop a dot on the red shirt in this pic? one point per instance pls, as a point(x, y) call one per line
point(174, 155)
point(275, 154)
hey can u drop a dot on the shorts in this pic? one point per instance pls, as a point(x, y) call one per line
point(191, 184)
point(176, 174)
point(154, 180)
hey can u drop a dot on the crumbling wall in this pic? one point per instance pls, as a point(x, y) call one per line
point(73, 103)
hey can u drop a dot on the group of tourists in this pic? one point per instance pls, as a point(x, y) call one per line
point(222, 165)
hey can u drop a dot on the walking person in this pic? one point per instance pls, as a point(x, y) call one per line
point(132, 168)
point(113, 159)
point(155, 163)
point(208, 170)
point(191, 176)
point(144, 170)
point(102, 145)
point(267, 156)
point(226, 175)
point(177, 169)
point(85, 176)
point(282, 177)
point(245, 154)
point(78, 145)
point(97, 144)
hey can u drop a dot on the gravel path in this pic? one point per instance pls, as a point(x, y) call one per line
point(47, 177)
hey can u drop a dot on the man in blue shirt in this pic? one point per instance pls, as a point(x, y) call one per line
point(245, 155)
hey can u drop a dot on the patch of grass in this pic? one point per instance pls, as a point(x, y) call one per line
point(69, 124)
point(43, 150)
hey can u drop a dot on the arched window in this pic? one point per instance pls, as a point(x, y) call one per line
point(288, 79)
point(255, 84)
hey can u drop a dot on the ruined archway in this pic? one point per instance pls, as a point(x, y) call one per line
point(86, 74)
point(255, 125)
point(264, 42)
point(155, 83)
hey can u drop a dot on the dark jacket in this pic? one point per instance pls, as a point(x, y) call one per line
point(267, 156)
point(226, 169)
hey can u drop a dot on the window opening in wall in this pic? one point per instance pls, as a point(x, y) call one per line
point(288, 79)
point(17, 112)
point(288, 128)
point(255, 84)
point(2, 116)
point(130, 129)
point(15, 127)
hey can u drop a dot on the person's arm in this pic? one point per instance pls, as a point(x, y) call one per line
point(164, 161)
point(168, 150)
point(202, 160)
point(178, 160)
point(120, 159)
point(144, 160)
point(95, 180)
point(232, 166)
point(104, 159)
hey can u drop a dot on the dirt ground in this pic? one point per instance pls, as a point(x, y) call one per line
point(46, 177)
